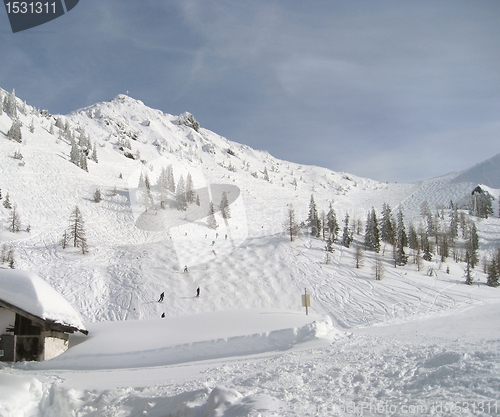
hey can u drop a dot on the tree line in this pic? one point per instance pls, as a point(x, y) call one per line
point(446, 233)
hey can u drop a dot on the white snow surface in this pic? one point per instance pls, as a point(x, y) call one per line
point(418, 342)
point(32, 294)
point(221, 334)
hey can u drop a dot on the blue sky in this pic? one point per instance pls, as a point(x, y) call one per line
point(390, 90)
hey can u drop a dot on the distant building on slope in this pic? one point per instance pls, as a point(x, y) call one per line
point(35, 320)
point(477, 190)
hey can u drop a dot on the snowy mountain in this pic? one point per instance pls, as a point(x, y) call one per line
point(486, 172)
point(138, 247)
point(133, 251)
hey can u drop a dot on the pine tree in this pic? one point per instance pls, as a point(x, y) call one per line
point(10, 105)
point(494, 269)
point(266, 174)
point(454, 221)
point(83, 162)
point(141, 184)
point(94, 154)
point(14, 220)
point(224, 206)
point(3, 253)
point(372, 237)
point(162, 185)
point(312, 218)
point(432, 226)
point(333, 226)
point(76, 231)
point(401, 241)
point(291, 225)
point(64, 239)
point(444, 248)
point(329, 245)
point(190, 193)
point(347, 233)
point(170, 178)
point(83, 142)
point(14, 132)
point(413, 242)
point(387, 233)
point(147, 199)
point(486, 205)
point(426, 247)
point(212, 223)
point(10, 258)
point(74, 154)
point(65, 132)
point(481, 204)
point(468, 266)
point(6, 202)
point(493, 274)
point(473, 246)
point(180, 195)
point(424, 209)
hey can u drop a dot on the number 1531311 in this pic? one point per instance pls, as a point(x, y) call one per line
point(30, 7)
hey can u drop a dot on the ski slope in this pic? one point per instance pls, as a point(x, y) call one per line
point(245, 347)
point(409, 340)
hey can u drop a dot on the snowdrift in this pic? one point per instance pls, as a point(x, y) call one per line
point(160, 342)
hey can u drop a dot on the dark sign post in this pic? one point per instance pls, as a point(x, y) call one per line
point(28, 14)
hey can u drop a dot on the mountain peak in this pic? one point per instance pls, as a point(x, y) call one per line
point(123, 98)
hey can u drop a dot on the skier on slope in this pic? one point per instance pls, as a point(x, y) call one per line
point(161, 297)
point(198, 292)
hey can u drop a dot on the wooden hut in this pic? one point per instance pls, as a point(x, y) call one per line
point(35, 320)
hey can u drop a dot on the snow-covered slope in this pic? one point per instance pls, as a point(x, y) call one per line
point(136, 254)
point(486, 172)
point(137, 249)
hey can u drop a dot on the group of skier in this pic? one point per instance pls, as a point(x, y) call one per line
point(162, 295)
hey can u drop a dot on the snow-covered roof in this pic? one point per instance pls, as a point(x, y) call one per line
point(30, 293)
